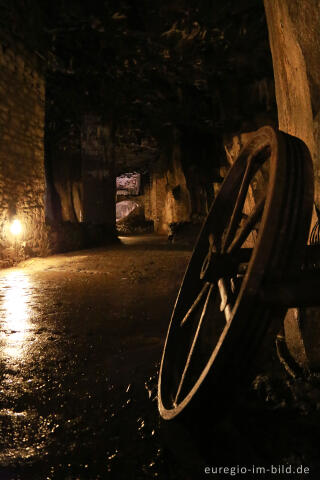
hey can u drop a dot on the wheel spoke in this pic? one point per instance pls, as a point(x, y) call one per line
point(225, 295)
point(247, 228)
point(195, 303)
point(193, 344)
point(237, 211)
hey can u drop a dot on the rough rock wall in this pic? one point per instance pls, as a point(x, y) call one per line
point(22, 180)
point(67, 187)
point(81, 186)
point(98, 173)
point(147, 198)
point(181, 180)
point(170, 200)
point(294, 37)
point(232, 146)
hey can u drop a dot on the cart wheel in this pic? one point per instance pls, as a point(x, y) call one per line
point(255, 232)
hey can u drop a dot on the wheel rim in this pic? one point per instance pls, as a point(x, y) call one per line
point(200, 338)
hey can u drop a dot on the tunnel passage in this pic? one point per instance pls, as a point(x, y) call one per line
point(170, 90)
point(164, 106)
point(132, 203)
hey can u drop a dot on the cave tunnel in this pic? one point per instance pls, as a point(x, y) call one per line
point(149, 150)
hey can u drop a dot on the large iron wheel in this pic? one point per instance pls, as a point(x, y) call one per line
point(254, 233)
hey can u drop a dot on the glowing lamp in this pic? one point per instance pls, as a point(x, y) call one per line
point(16, 227)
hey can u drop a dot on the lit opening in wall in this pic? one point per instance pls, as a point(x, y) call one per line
point(129, 184)
point(16, 227)
point(124, 208)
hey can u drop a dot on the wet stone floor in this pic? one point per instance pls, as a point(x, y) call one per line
point(80, 343)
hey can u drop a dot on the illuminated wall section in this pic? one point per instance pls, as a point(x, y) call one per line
point(22, 181)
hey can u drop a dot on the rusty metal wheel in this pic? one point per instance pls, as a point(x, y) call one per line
point(255, 233)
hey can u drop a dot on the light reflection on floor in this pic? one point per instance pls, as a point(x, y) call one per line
point(72, 339)
point(15, 313)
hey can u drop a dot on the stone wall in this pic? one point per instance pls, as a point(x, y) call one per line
point(157, 199)
point(81, 187)
point(147, 198)
point(98, 173)
point(180, 189)
point(22, 179)
point(65, 191)
point(294, 37)
point(169, 195)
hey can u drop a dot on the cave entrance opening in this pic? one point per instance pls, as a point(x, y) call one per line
point(131, 200)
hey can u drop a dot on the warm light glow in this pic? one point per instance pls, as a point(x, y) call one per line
point(16, 227)
point(15, 322)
